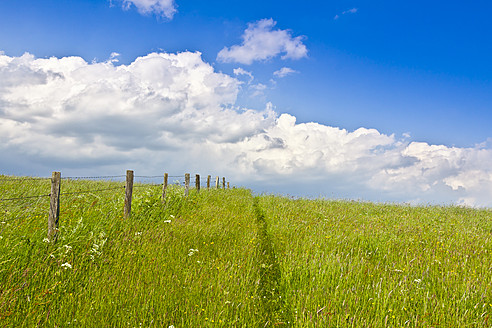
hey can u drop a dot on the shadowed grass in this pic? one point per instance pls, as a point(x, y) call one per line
point(272, 308)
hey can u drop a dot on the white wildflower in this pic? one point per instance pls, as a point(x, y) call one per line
point(171, 216)
point(67, 248)
point(66, 265)
point(192, 251)
point(171, 326)
point(46, 240)
point(167, 221)
point(138, 233)
point(418, 281)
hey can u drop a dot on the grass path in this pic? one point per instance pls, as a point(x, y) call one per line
point(273, 310)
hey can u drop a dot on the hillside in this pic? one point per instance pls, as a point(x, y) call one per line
point(225, 258)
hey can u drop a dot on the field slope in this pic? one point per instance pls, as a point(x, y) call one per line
point(225, 258)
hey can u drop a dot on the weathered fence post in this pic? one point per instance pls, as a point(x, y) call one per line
point(187, 183)
point(164, 187)
point(197, 182)
point(208, 182)
point(54, 214)
point(228, 186)
point(217, 183)
point(223, 183)
point(128, 194)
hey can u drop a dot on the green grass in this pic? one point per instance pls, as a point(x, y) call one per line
point(223, 258)
point(365, 265)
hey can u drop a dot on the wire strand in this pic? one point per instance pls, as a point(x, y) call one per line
point(147, 185)
point(27, 197)
point(90, 191)
point(95, 177)
point(24, 179)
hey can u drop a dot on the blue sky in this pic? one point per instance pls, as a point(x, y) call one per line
point(416, 72)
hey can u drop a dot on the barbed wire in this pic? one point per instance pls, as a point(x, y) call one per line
point(25, 197)
point(90, 191)
point(31, 204)
point(192, 182)
point(147, 186)
point(24, 179)
point(94, 177)
point(99, 177)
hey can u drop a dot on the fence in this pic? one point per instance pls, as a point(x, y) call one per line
point(55, 193)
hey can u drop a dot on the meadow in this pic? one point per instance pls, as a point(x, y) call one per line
point(228, 258)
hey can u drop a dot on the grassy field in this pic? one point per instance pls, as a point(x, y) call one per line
point(225, 258)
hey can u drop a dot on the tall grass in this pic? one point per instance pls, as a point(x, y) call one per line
point(188, 263)
point(223, 258)
point(348, 264)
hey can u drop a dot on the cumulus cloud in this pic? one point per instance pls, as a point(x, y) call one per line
point(174, 112)
point(98, 109)
point(162, 8)
point(284, 71)
point(262, 42)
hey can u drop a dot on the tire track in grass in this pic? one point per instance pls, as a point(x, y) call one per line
point(270, 302)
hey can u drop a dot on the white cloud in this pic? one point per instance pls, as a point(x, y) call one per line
point(349, 11)
point(284, 71)
point(99, 109)
point(162, 8)
point(262, 42)
point(240, 71)
point(173, 112)
point(258, 89)
point(477, 185)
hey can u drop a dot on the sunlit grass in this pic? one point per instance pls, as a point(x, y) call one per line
point(221, 258)
point(105, 270)
point(365, 265)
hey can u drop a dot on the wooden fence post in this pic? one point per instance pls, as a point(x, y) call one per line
point(128, 194)
point(223, 183)
point(217, 183)
point(54, 214)
point(187, 183)
point(208, 182)
point(164, 187)
point(197, 182)
point(228, 186)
